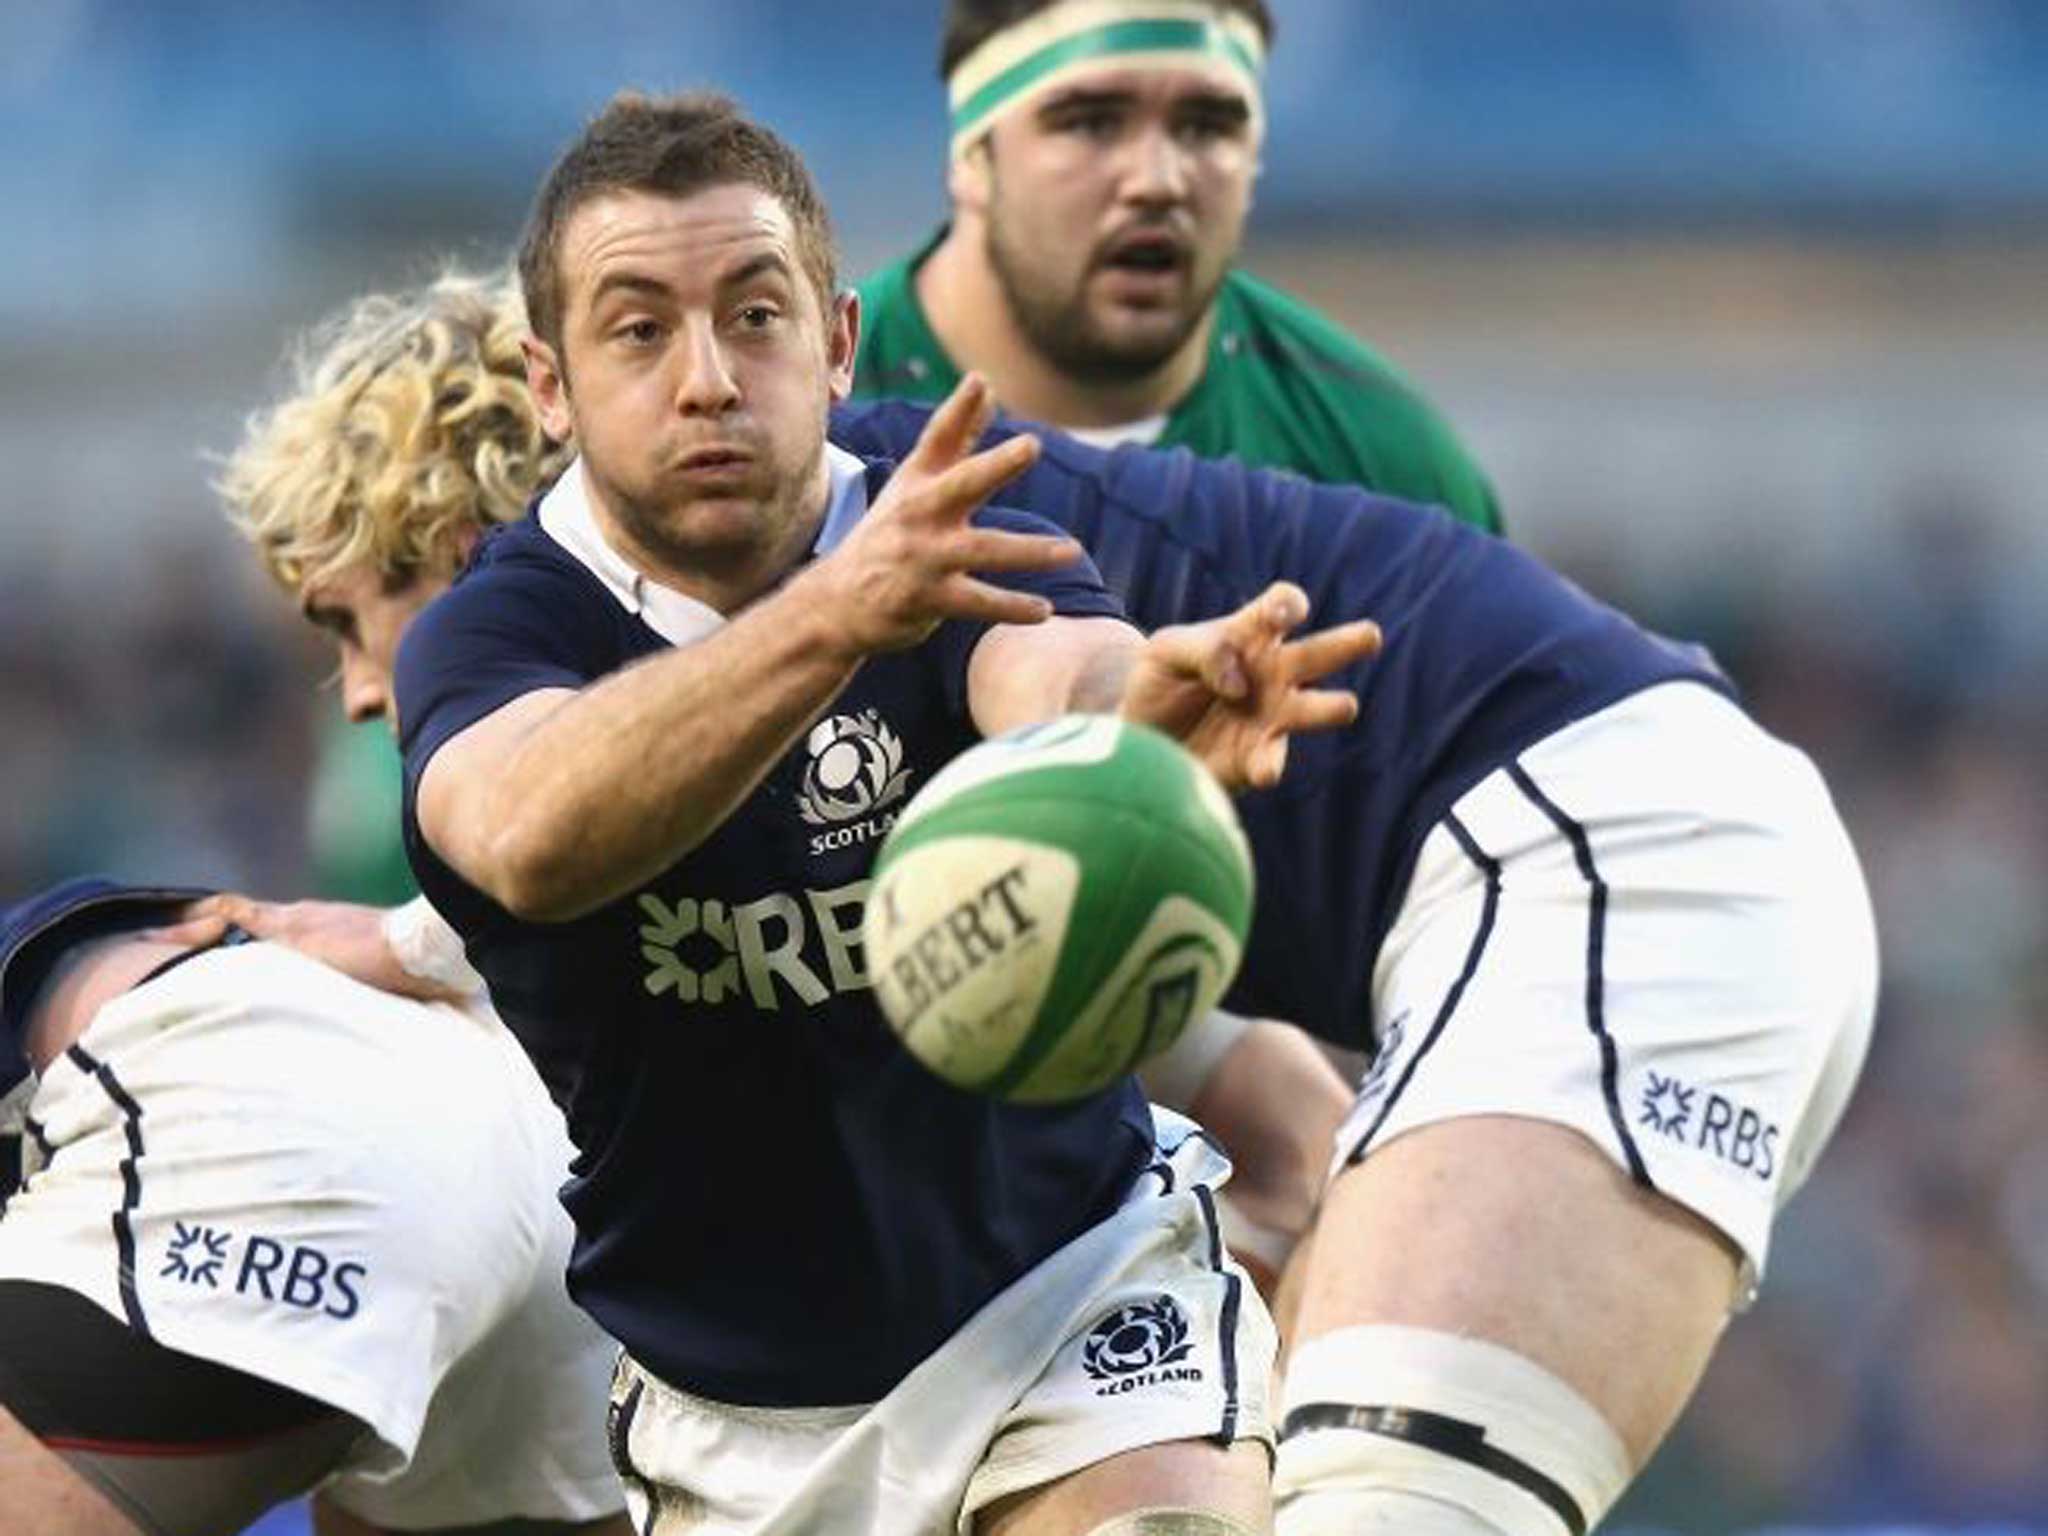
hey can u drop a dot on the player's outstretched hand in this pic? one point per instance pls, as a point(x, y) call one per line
point(349, 938)
point(908, 565)
point(1232, 690)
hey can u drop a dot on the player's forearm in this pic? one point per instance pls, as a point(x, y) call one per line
point(1098, 685)
point(1021, 675)
point(624, 778)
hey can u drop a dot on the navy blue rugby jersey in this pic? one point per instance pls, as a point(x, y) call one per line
point(1487, 651)
point(774, 1203)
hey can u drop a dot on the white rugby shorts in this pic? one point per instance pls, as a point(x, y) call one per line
point(1139, 1332)
point(255, 1160)
point(1649, 927)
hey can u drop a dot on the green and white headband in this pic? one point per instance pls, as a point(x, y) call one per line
point(1021, 63)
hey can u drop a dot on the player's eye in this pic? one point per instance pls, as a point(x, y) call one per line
point(640, 332)
point(1211, 125)
point(757, 316)
point(1206, 130)
point(1095, 123)
point(339, 624)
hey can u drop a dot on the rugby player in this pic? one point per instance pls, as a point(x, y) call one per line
point(1607, 940)
point(1599, 1219)
point(409, 431)
point(278, 1231)
point(1100, 170)
point(817, 1257)
point(1101, 165)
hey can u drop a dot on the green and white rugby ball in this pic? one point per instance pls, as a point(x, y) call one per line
point(1055, 906)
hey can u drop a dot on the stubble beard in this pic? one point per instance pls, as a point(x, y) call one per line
point(746, 553)
point(1060, 327)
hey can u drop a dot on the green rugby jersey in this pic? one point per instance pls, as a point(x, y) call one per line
point(358, 852)
point(1284, 389)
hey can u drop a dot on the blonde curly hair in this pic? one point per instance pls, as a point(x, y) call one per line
point(408, 426)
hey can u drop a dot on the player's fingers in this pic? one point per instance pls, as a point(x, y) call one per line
point(962, 597)
point(1268, 762)
point(1283, 606)
point(1274, 612)
point(1206, 651)
point(995, 549)
point(955, 494)
point(188, 930)
point(955, 426)
point(251, 916)
point(1223, 670)
point(1331, 650)
point(982, 416)
point(1318, 709)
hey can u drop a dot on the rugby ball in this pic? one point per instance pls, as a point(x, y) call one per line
point(1055, 906)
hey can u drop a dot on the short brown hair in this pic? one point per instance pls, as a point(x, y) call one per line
point(676, 146)
point(970, 23)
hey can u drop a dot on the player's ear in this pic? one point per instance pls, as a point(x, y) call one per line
point(970, 177)
point(842, 341)
point(549, 386)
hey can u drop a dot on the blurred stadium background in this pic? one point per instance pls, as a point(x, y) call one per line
point(1743, 303)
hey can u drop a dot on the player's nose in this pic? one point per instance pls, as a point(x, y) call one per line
point(365, 692)
point(1156, 168)
point(704, 382)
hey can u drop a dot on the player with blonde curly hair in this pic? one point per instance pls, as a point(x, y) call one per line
point(408, 431)
point(368, 1296)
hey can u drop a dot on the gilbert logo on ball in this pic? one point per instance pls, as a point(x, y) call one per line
point(1056, 906)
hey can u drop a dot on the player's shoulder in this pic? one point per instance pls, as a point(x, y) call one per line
point(1355, 415)
point(518, 564)
point(521, 592)
point(898, 353)
point(522, 549)
point(1281, 330)
point(885, 287)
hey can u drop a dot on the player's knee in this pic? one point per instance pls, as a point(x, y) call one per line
point(1164, 1521)
point(1390, 1428)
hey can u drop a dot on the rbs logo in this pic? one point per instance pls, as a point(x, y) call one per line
point(1732, 1132)
point(296, 1276)
point(304, 1277)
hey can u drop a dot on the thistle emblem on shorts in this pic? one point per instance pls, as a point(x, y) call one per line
point(1138, 1337)
point(856, 767)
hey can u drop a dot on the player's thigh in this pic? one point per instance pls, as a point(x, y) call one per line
point(1524, 1234)
point(180, 1445)
point(44, 1497)
point(1233, 1485)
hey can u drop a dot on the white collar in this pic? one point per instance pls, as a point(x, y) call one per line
point(849, 498)
point(566, 517)
point(1143, 432)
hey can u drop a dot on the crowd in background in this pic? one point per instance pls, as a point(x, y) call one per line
point(1830, 469)
point(1897, 1365)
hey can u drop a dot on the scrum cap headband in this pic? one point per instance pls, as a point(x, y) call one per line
point(1021, 63)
